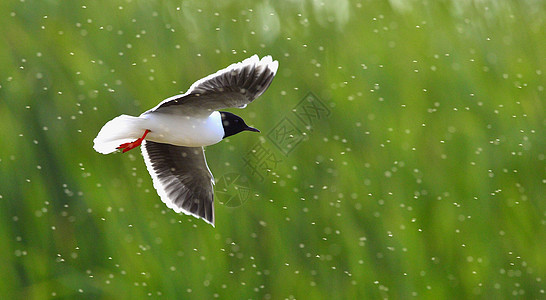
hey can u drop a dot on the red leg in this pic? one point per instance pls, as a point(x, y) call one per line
point(128, 146)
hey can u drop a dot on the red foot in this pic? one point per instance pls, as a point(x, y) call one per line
point(128, 146)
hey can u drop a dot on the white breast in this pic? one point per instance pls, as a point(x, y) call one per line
point(183, 130)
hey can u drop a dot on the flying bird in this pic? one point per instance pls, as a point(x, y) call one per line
point(173, 133)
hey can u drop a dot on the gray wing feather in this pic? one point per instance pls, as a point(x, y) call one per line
point(234, 86)
point(181, 177)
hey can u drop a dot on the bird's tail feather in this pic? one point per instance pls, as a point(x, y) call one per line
point(121, 129)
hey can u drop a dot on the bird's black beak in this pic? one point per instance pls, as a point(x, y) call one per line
point(248, 128)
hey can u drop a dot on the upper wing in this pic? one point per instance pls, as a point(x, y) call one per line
point(234, 86)
point(181, 177)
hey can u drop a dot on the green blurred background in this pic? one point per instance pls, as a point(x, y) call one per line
point(426, 181)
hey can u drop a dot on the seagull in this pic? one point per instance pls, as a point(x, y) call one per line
point(174, 132)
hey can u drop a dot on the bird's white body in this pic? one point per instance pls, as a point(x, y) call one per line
point(169, 128)
point(183, 130)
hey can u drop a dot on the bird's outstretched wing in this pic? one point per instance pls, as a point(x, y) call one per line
point(235, 86)
point(182, 178)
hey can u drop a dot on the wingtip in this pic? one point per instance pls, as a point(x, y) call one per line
point(268, 61)
point(273, 66)
point(251, 60)
point(211, 222)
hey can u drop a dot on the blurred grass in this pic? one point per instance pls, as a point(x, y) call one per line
point(426, 181)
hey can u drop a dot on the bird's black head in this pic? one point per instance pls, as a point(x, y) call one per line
point(234, 124)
